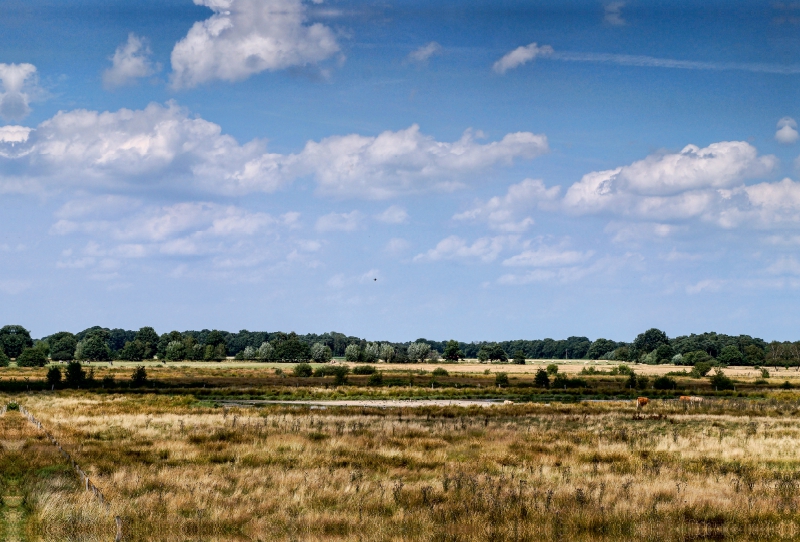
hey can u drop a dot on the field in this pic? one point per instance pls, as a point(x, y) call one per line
point(180, 465)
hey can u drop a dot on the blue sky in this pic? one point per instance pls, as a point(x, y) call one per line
point(469, 170)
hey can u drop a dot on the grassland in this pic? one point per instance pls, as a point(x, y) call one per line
point(178, 462)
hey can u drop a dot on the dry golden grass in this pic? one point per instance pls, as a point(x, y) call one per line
point(175, 470)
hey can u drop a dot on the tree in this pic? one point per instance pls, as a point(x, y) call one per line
point(387, 352)
point(352, 353)
point(148, 337)
point(552, 369)
point(600, 348)
point(496, 353)
point(519, 357)
point(4, 361)
point(215, 337)
point(94, 348)
point(165, 339)
point(418, 351)
point(14, 339)
point(650, 340)
point(133, 351)
point(665, 383)
point(62, 346)
point(730, 355)
point(249, 353)
point(292, 349)
point(139, 376)
point(720, 382)
point(53, 377)
point(664, 353)
point(753, 355)
point(175, 351)
point(452, 351)
point(483, 354)
point(340, 374)
point(321, 353)
point(371, 353)
point(701, 369)
point(265, 352)
point(542, 380)
point(32, 357)
point(75, 376)
point(500, 380)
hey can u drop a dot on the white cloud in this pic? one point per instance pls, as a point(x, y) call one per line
point(424, 53)
point(485, 249)
point(671, 186)
point(406, 161)
point(393, 215)
point(548, 256)
point(340, 221)
point(245, 37)
point(785, 265)
point(505, 213)
point(396, 246)
point(14, 286)
point(18, 81)
point(613, 13)
point(635, 232)
point(520, 56)
point(164, 145)
point(787, 131)
point(131, 61)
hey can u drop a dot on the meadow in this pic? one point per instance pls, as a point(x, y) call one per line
point(177, 465)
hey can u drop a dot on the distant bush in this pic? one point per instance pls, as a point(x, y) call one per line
point(3, 359)
point(12, 406)
point(786, 385)
point(32, 357)
point(302, 370)
point(621, 369)
point(53, 376)
point(376, 379)
point(519, 357)
point(720, 382)
point(701, 369)
point(552, 369)
point(139, 376)
point(500, 379)
point(340, 373)
point(363, 370)
point(665, 383)
point(764, 373)
point(542, 380)
point(563, 381)
point(440, 371)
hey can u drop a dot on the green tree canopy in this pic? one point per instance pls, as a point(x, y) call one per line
point(62, 346)
point(730, 355)
point(452, 351)
point(149, 339)
point(650, 340)
point(32, 357)
point(14, 339)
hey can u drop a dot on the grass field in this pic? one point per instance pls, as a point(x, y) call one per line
point(177, 469)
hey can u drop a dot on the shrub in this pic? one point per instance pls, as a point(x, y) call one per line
point(363, 370)
point(519, 357)
point(139, 376)
point(13, 405)
point(53, 377)
point(440, 371)
point(720, 382)
point(500, 379)
point(664, 383)
point(552, 369)
point(32, 357)
point(764, 373)
point(786, 385)
point(621, 370)
point(376, 379)
point(302, 370)
point(75, 374)
point(108, 381)
point(563, 381)
point(3, 359)
point(701, 369)
point(340, 373)
point(542, 380)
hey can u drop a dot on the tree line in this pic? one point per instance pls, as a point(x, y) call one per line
point(652, 346)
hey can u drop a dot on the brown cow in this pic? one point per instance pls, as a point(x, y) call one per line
point(688, 399)
point(641, 402)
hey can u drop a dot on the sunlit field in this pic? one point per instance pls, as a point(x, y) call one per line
point(179, 468)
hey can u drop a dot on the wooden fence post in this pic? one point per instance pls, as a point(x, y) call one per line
point(119, 529)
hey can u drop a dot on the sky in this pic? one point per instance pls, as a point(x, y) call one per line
point(475, 170)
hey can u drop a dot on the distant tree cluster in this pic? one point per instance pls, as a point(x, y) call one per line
point(652, 346)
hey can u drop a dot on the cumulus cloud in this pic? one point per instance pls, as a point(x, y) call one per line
point(165, 145)
point(245, 37)
point(18, 81)
point(485, 249)
point(670, 186)
point(340, 221)
point(393, 215)
point(505, 213)
point(520, 56)
point(407, 161)
point(787, 131)
point(548, 256)
point(424, 53)
point(131, 61)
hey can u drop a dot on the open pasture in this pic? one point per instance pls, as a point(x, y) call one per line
point(174, 468)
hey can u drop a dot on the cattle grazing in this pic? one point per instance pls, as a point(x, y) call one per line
point(690, 399)
point(641, 402)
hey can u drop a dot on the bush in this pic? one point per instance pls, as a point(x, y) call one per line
point(665, 383)
point(701, 369)
point(500, 379)
point(363, 370)
point(542, 380)
point(13, 405)
point(636, 382)
point(3, 359)
point(340, 373)
point(519, 357)
point(108, 382)
point(376, 379)
point(720, 382)
point(552, 369)
point(139, 376)
point(786, 385)
point(562, 381)
point(621, 370)
point(32, 357)
point(53, 377)
point(764, 373)
point(303, 370)
point(75, 374)
point(440, 371)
